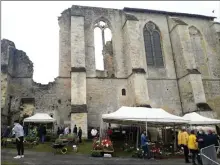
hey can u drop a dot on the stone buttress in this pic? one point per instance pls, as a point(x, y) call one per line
point(78, 75)
point(136, 67)
point(189, 78)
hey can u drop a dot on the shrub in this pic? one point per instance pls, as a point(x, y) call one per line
point(58, 141)
point(96, 153)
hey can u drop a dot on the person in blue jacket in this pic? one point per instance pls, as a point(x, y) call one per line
point(144, 144)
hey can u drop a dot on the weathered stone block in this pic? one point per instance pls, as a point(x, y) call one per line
point(80, 120)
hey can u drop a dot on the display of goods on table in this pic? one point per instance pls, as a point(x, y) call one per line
point(99, 148)
point(31, 140)
point(68, 137)
point(155, 152)
point(128, 147)
point(6, 141)
point(60, 145)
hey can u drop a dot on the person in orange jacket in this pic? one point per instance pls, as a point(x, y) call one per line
point(183, 142)
point(193, 147)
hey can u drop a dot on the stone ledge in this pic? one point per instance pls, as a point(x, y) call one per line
point(78, 69)
point(130, 17)
point(193, 71)
point(79, 108)
point(144, 105)
point(203, 107)
point(138, 70)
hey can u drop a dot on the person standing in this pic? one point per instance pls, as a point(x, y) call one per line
point(19, 135)
point(42, 132)
point(66, 130)
point(80, 135)
point(211, 139)
point(25, 130)
point(58, 131)
point(69, 130)
point(75, 130)
point(144, 144)
point(94, 132)
point(109, 133)
point(193, 146)
point(201, 139)
point(183, 142)
point(6, 132)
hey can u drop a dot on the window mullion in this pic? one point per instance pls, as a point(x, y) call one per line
point(153, 50)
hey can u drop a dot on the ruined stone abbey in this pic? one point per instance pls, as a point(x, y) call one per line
point(154, 59)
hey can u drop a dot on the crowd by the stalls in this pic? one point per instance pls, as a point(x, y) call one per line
point(193, 141)
point(189, 140)
point(40, 130)
point(77, 132)
point(29, 130)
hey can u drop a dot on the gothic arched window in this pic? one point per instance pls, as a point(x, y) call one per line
point(196, 40)
point(197, 49)
point(152, 44)
point(102, 34)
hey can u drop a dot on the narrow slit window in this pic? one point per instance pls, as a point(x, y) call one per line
point(123, 92)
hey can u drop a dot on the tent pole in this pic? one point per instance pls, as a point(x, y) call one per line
point(174, 130)
point(137, 137)
point(165, 134)
point(146, 129)
point(100, 129)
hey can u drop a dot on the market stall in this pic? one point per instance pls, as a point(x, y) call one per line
point(40, 118)
point(37, 119)
point(142, 116)
point(196, 119)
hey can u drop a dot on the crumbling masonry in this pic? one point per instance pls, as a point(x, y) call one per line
point(154, 59)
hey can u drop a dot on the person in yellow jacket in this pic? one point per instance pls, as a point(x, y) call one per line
point(193, 147)
point(183, 142)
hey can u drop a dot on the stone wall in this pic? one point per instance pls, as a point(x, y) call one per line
point(211, 45)
point(105, 96)
point(16, 81)
point(114, 18)
point(65, 44)
point(160, 20)
point(165, 94)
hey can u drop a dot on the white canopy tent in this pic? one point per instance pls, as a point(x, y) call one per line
point(196, 119)
point(40, 118)
point(137, 115)
point(142, 115)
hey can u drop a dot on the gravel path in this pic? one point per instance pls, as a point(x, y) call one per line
point(40, 158)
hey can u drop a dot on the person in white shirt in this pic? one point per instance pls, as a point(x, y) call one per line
point(94, 132)
point(19, 135)
point(66, 131)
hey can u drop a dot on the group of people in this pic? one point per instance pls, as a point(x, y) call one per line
point(194, 141)
point(19, 132)
point(77, 132)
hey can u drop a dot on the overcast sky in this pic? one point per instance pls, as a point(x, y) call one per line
point(33, 26)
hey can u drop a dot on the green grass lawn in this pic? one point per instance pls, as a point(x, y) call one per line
point(8, 163)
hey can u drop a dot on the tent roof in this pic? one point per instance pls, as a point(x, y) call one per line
point(197, 119)
point(153, 116)
point(40, 118)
